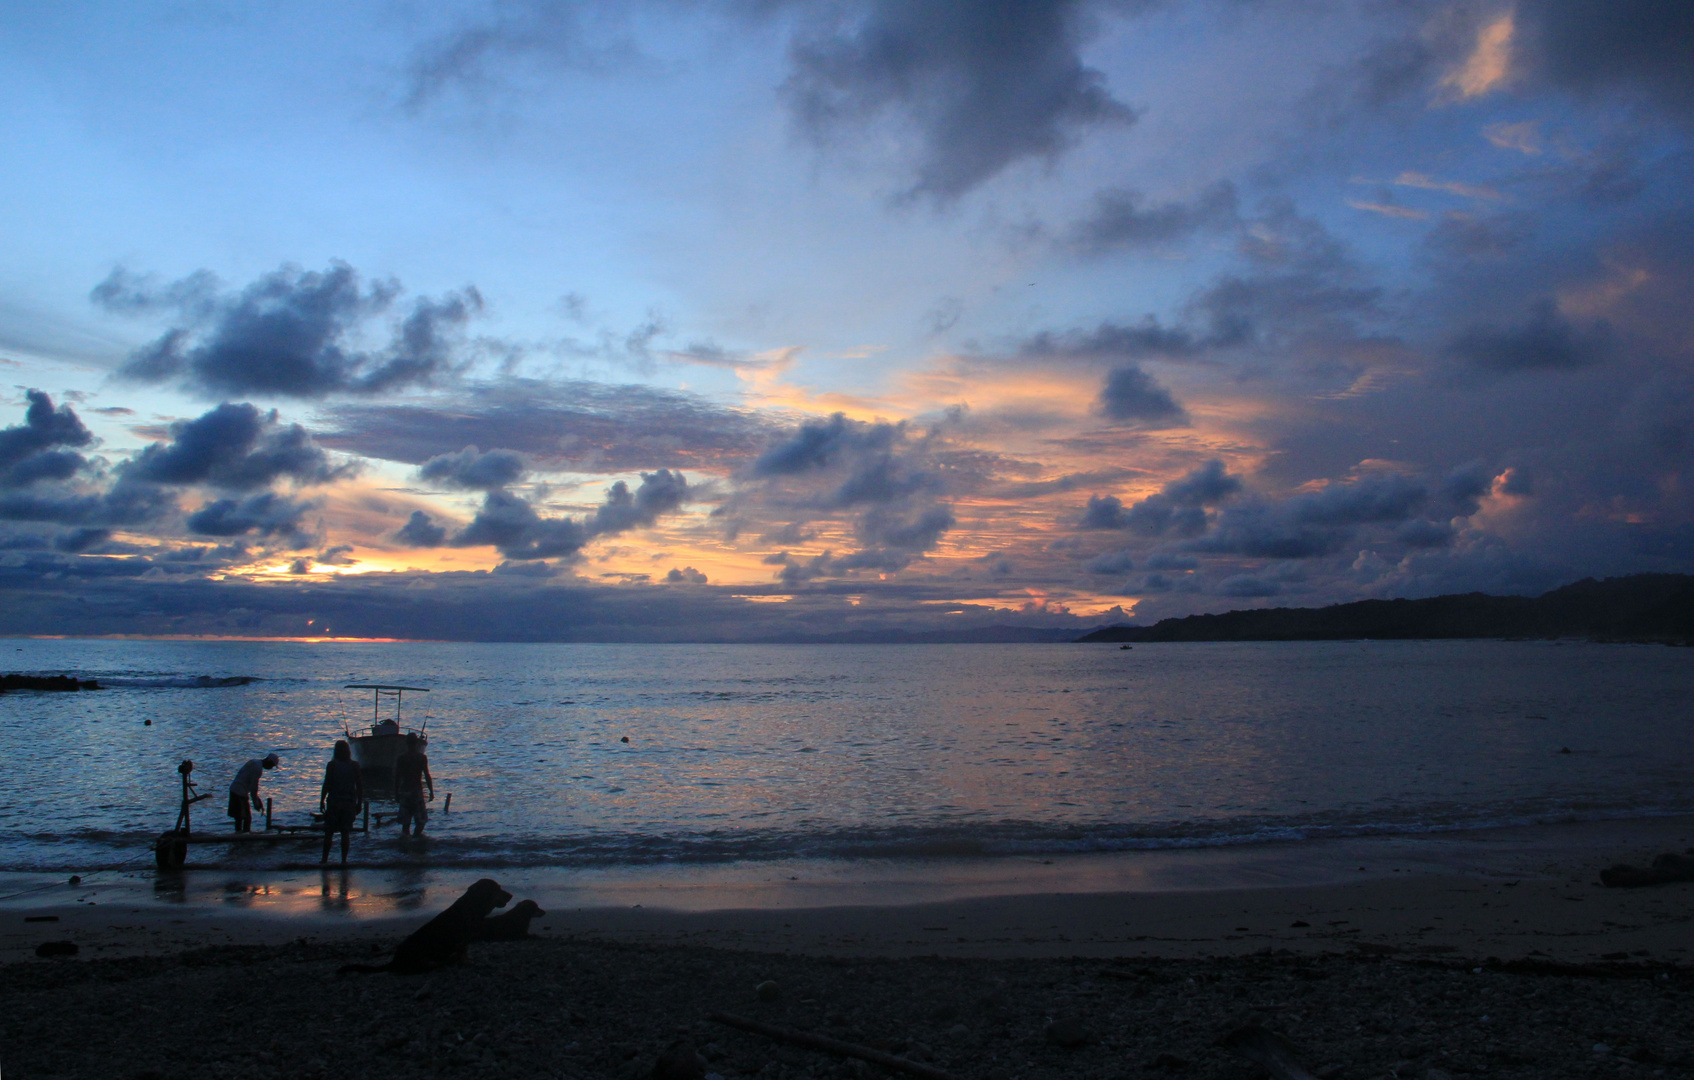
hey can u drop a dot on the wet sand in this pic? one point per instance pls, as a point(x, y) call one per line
point(1476, 953)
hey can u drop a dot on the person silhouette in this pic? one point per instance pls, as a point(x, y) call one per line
point(411, 774)
point(339, 799)
point(245, 788)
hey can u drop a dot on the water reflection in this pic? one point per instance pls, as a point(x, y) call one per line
point(334, 896)
point(755, 752)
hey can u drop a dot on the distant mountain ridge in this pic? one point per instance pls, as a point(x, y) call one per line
point(1641, 607)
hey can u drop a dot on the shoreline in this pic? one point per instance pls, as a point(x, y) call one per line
point(1513, 893)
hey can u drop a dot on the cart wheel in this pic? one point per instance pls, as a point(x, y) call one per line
point(170, 851)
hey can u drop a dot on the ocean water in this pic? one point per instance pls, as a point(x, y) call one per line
point(747, 753)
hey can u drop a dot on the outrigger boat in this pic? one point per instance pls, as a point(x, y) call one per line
point(376, 750)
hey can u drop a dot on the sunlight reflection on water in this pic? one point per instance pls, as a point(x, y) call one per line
point(769, 752)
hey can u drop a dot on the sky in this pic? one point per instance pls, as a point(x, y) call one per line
point(776, 319)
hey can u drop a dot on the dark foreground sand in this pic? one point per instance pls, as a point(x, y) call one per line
point(1524, 967)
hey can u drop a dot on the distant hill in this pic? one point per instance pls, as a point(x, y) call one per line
point(1643, 607)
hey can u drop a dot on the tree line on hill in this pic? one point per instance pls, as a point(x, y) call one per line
point(1642, 607)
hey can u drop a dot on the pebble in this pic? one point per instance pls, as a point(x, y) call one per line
point(768, 991)
point(1069, 1032)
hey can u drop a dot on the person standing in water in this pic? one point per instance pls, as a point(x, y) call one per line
point(245, 788)
point(340, 798)
point(411, 774)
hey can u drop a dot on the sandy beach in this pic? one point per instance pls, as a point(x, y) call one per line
point(1490, 953)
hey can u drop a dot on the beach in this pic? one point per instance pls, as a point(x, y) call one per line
point(1494, 953)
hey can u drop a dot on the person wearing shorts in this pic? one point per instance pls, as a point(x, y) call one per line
point(245, 788)
point(411, 776)
point(339, 800)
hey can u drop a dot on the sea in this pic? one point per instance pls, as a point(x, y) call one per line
point(660, 758)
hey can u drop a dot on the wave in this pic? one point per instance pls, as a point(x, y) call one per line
point(83, 849)
point(182, 682)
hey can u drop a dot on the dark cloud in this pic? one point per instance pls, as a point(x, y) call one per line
point(32, 452)
point(586, 426)
point(419, 531)
point(1312, 524)
point(511, 525)
point(1420, 533)
point(1644, 45)
point(291, 333)
point(1545, 340)
point(891, 476)
point(473, 470)
point(1178, 509)
point(1112, 342)
point(234, 446)
point(1121, 220)
point(686, 575)
point(1479, 236)
point(1114, 562)
point(1300, 282)
point(267, 514)
point(1465, 486)
point(662, 492)
point(1247, 585)
point(1130, 396)
point(819, 444)
point(982, 85)
point(78, 541)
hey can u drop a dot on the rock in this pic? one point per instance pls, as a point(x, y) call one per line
point(1437, 1074)
point(1599, 1048)
point(768, 991)
point(57, 948)
point(1169, 1063)
point(1069, 1033)
point(680, 1061)
point(958, 1031)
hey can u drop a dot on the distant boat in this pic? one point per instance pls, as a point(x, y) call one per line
point(376, 749)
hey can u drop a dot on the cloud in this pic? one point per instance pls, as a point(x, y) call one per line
point(585, 426)
point(291, 333)
point(1115, 562)
point(819, 444)
point(237, 447)
point(510, 524)
point(662, 492)
point(472, 470)
point(981, 85)
point(1312, 524)
point(267, 514)
point(1641, 45)
point(1178, 509)
point(891, 476)
point(1247, 585)
point(420, 532)
point(1130, 396)
point(1545, 340)
point(1110, 342)
point(687, 575)
point(31, 452)
point(1121, 220)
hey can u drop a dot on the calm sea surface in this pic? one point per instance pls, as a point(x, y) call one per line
point(783, 752)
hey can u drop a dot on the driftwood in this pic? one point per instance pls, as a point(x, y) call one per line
point(1267, 1049)
point(833, 1046)
point(1665, 870)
